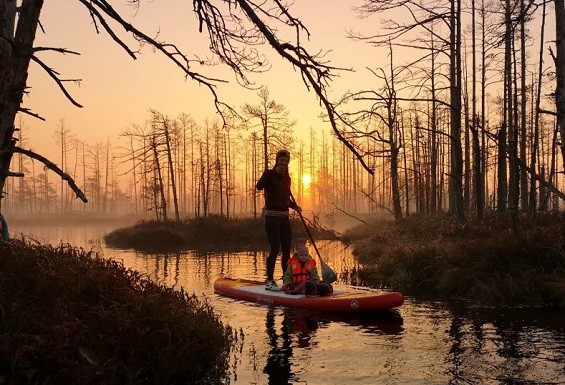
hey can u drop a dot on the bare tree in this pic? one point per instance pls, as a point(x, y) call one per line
point(162, 135)
point(137, 154)
point(381, 123)
point(158, 184)
point(188, 131)
point(64, 139)
point(97, 156)
point(273, 122)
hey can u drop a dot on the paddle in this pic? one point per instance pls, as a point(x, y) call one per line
point(328, 274)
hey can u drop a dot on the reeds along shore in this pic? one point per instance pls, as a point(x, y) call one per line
point(485, 263)
point(68, 314)
point(210, 233)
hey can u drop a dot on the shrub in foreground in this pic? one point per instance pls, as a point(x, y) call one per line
point(70, 316)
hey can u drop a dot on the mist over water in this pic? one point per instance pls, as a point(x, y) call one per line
point(422, 343)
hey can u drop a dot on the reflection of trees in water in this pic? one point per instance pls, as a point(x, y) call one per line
point(248, 265)
point(506, 346)
point(86, 236)
point(180, 268)
point(526, 351)
point(340, 258)
point(253, 268)
point(456, 351)
point(162, 267)
point(289, 329)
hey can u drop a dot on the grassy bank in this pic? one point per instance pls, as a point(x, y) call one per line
point(68, 316)
point(482, 262)
point(211, 233)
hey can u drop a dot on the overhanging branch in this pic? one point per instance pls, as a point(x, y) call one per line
point(53, 167)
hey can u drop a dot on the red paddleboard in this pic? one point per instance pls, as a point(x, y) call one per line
point(341, 301)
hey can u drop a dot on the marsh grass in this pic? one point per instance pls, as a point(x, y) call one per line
point(69, 316)
point(482, 262)
point(211, 233)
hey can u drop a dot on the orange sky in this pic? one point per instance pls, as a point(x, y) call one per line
point(117, 91)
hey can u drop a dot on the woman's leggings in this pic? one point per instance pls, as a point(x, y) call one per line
point(280, 236)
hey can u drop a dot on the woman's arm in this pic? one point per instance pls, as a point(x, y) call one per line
point(263, 181)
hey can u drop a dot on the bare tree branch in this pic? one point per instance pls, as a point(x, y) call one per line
point(54, 75)
point(99, 7)
point(357, 218)
point(28, 112)
point(52, 166)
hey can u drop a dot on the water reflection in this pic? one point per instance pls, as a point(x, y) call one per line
point(379, 323)
point(289, 330)
point(278, 366)
point(506, 346)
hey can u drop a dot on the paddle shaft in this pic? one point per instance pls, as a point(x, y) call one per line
point(305, 225)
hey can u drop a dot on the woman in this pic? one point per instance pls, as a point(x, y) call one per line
point(276, 183)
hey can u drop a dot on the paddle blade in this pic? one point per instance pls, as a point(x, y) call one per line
point(328, 274)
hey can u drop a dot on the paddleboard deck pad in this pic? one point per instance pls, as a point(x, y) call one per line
point(342, 301)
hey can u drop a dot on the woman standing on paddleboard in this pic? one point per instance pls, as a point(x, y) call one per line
point(276, 183)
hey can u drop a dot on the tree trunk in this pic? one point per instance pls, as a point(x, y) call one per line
point(395, 181)
point(560, 70)
point(510, 117)
point(15, 54)
point(160, 184)
point(433, 140)
point(477, 172)
point(483, 125)
point(535, 147)
point(171, 169)
point(227, 172)
point(523, 107)
point(456, 170)
point(395, 137)
point(106, 178)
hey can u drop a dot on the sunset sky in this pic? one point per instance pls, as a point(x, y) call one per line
point(117, 91)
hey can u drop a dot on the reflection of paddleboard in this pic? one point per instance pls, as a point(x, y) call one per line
point(349, 301)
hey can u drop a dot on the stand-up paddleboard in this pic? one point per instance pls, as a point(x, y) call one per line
point(347, 301)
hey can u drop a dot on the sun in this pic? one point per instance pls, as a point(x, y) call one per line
point(306, 179)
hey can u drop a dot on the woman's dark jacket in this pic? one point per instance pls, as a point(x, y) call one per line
point(277, 190)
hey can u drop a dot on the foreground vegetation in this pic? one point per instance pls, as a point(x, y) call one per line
point(210, 233)
point(69, 315)
point(485, 263)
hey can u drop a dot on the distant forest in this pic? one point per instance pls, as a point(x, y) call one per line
point(473, 122)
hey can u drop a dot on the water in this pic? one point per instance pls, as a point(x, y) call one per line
point(423, 343)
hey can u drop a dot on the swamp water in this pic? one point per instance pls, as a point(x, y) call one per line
point(423, 343)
